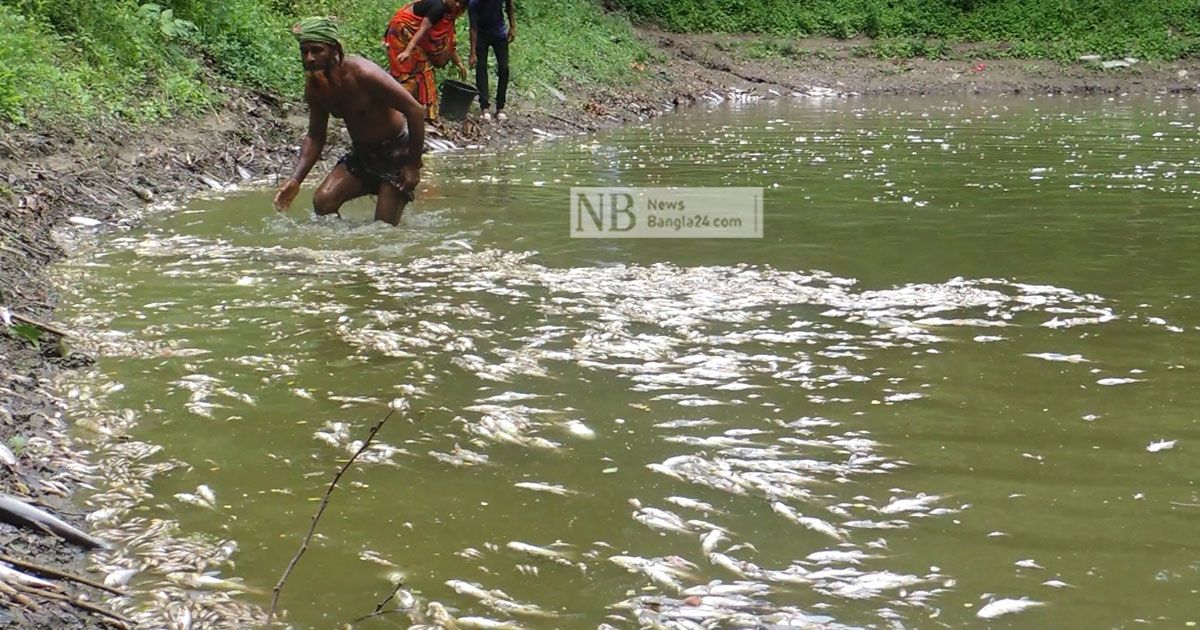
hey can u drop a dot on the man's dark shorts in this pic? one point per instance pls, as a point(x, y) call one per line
point(375, 163)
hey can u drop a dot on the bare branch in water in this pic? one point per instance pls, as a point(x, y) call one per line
point(379, 611)
point(321, 510)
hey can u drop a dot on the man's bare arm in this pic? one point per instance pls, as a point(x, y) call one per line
point(313, 143)
point(310, 152)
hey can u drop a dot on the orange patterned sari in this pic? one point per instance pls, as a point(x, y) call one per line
point(416, 72)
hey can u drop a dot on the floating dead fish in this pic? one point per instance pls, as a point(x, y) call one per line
point(483, 623)
point(1110, 382)
point(497, 600)
point(534, 550)
point(837, 556)
point(709, 541)
point(1065, 358)
point(656, 518)
point(717, 587)
point(693, 504)
point(206, 493)
point(1028, 564)
point(1005, 607)
point(119, 578)
point(920, 503)
point(1161, 445)
point(212, 582)
point(815, 524)
point(550, 488)
point(580, 429)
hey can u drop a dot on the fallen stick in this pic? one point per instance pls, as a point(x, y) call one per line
point(43, 325)
point(379, 611)
point(18, 512)
point(17, 596)
point(316, 517)
point(570, 122)
point(83, 605)
point(52, 572)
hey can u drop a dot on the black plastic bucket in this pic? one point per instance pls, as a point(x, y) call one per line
point(456, 99)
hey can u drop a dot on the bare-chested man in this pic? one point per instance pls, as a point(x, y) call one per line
point(386, 125)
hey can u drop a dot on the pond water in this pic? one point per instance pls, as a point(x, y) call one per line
point(955, 371)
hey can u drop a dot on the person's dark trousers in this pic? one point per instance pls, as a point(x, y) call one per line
point(499, 44)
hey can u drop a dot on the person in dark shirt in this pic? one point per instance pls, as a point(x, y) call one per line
point(419, 38)
point(490, 31)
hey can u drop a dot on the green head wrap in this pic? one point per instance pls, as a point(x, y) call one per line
point(317, 29)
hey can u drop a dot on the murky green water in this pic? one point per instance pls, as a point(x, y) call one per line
point(895, 362)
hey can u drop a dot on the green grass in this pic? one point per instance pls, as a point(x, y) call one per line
point(78, 60)
point(91, 57)
point(1053, 29)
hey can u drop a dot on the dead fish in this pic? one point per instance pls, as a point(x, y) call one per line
point(1161, 445)
point(538, 486)
point(580, 429)
point(483, 623)
point(206, 493)
point(120, 577)
point(1006, 606)
point(210, 182)
point(84, 221)
point(7, 457)
point(837, 556)
point(815, 524)
point(8, 574)
point(534, 550)
point(191, 499)
point(919, 503)
point(693, 504)
point(212, 582)
point(18, 512)
point(709, 541)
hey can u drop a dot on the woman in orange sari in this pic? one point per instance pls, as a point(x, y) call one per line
point(419, 38)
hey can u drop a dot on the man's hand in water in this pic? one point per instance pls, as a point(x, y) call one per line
point(410, 176)
point(287, 194)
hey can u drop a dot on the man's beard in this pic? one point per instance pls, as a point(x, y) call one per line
point(320, 77)
point(317, 78)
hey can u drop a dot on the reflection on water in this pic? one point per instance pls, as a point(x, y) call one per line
point(949, 386)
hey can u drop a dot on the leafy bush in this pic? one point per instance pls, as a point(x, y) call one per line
point(75, 59)
point(1151, 29)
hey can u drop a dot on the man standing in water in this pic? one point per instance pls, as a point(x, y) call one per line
point(386, 125)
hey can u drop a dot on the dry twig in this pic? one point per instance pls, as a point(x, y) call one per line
point(317, 516)
point(52, 572)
